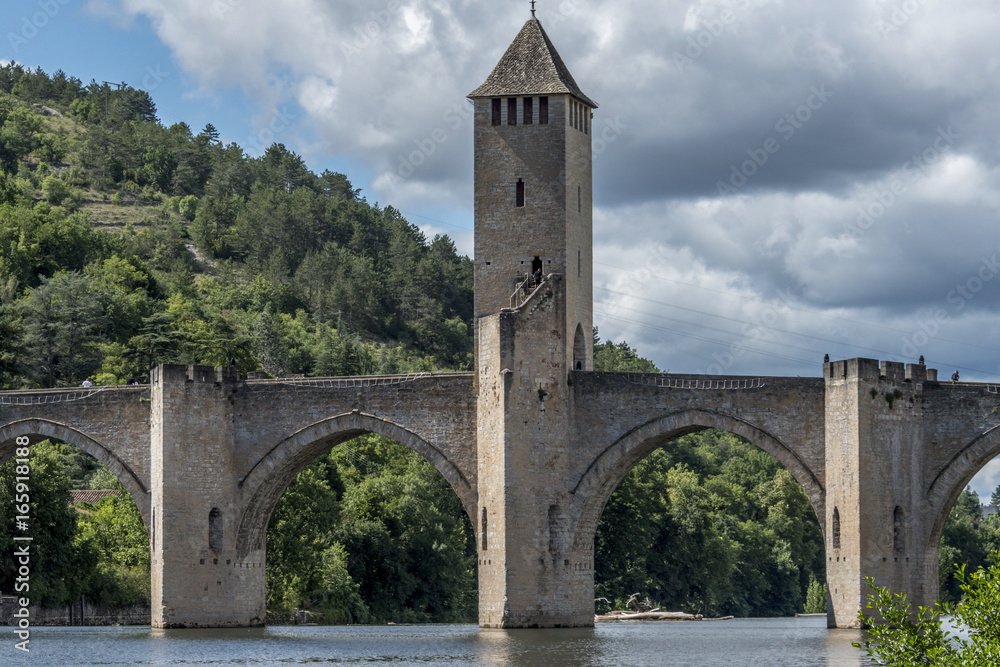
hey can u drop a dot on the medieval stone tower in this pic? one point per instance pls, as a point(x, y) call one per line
point(533, 184)
point(533, 204)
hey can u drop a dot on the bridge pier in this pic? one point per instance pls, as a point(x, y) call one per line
point(530, 573)
point(197, 578)
point(875, 512)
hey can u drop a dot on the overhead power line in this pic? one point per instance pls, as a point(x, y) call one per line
point(808, 311)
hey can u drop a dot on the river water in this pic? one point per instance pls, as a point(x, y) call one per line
point(795, 642)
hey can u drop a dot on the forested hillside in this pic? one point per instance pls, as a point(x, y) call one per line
point(125, 243)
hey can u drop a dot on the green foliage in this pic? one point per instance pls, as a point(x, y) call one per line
point(741, 536)
point(19, 135)
point(54, 190)
point(100, 553)
point(619, 358)
point(62, 321)
point(967, 539)
point(115, 532)
point(189, 207)
point(58, 564)
point(904, 637)
point(816, 598)
point(371, 532)
point(350, 288)
point(10, 343)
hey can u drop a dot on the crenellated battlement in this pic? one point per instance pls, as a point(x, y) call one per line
point(873, 370)
point(169, 373)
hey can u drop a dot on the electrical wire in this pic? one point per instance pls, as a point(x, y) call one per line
point(701, 338)
point(806, 310)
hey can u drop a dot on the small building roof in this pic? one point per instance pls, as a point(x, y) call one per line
point(91, 496)
point(531, 66)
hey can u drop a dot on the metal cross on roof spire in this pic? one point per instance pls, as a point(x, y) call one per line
point(532, 8)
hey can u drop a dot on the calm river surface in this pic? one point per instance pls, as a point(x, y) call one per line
point(800, 642)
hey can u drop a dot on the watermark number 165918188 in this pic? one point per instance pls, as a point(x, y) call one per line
point(22, 557)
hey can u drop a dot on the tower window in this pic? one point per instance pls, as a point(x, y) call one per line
point(528, 111)
point(586, 120)
point(482, 529)
point(520, 193)
point(543, 111)
point(836, 528)
point(579, 199)
point(572, 114)
point(898, 529)
point(496, 110)
point(512, 111)
point(215, 530)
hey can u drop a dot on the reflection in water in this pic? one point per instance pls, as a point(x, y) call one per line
point(798, 642)
point(538, 647)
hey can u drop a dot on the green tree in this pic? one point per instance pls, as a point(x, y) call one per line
point(211, 132)
point(19, 136)
point(54, 190)
point(962, 543)
point(114, 530)
point(904, 637)
point(10, 347)
point(306, 567)
point(58, 564)
point(160, 166)
point(189, 207)
point(620, 358)
point(62, 325)
point(710, 524)
point(816, 598)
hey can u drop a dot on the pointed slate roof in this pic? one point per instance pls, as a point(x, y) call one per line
point(531, 66)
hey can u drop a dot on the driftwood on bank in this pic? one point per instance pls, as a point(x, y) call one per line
point(642, 610)
point(647, 616)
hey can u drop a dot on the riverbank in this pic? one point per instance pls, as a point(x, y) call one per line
point(617, 616)
point(81, 613)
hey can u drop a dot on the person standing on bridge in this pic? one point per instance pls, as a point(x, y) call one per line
point(954, 377)
point(87, 383)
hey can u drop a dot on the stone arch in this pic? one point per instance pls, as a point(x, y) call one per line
point(579, 350)
point(954, 476)
point(610, 467)
point(40, 429)
point(264, 485)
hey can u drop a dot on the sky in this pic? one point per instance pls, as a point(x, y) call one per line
point(774, 180)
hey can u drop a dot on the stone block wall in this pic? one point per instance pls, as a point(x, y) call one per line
point(197, 580)
point(876, 509)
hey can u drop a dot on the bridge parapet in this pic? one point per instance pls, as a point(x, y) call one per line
point(52, 396)
point(353, 382)
point(705, 382)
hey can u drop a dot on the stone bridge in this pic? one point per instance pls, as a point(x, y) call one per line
point(532, 449)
